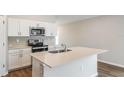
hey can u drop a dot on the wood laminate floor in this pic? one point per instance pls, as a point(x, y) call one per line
point(104, 70)
point(25, 72)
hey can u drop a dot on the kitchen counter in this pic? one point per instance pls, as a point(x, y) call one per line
point(18, 47)
point(52, 60)
point(80, 62)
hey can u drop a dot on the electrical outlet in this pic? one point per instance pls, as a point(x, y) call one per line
point(17, 41)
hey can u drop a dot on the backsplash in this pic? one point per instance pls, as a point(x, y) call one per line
point(17, 41)
point(51, 41)
point(23, 40)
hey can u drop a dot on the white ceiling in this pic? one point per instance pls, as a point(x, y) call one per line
point(60, 19)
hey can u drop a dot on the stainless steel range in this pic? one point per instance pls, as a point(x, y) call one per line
point(37, 45)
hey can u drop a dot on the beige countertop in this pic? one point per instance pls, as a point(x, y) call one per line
point(56, 59)
point(18, 47)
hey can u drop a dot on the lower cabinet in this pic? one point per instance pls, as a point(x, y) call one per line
point(19, 58)
point(37, 68)
point(26, 60)
point(14, 61)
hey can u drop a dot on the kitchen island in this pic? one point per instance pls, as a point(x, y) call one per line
point(79, 62)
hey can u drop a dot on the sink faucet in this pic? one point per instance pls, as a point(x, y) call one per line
point(64, 45)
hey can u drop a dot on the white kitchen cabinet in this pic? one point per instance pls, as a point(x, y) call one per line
point(42, 24)
point(26, 58)
point(37, 68)
point(33, 23)
point(19, 27)
point(14, 61)
point(13, 27)
point(37, 24)
point(24, 27)
point(51, 29)
point(19, 58)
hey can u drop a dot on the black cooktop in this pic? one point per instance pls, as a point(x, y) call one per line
point(38, 45)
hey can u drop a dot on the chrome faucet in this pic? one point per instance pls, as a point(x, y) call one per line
point(64, 45)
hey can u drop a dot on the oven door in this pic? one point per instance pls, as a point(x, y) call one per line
point(39, 49)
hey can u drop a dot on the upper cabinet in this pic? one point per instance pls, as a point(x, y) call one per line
point(13, 27)
point(51, 29)
point(24, 27)
point(33, 23)
point(19, 27)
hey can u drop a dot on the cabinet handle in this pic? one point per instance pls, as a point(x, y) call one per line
point(21, 55)
point(3, 66)
point(3, 44)
point(37, 25)
point(41, 65)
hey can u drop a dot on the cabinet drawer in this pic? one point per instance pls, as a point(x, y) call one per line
point(27, 51)
point(19, 58)
point(13, 51)
point(18, 51)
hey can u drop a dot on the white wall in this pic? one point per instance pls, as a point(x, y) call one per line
point(106, 32)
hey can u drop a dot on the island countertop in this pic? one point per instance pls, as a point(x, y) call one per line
point(56, 59)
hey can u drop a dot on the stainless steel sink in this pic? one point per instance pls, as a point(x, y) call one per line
point(59, 51)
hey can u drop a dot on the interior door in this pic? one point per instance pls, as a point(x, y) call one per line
point(1, 46)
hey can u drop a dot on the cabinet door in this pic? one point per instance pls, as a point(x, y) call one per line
point(13, 61)
point(19, 58)
point(26, 58)
point(36, 68)
point(33, 23)
point(42, 24)
point(51, 29)
point(24, 27)
point(13, 27)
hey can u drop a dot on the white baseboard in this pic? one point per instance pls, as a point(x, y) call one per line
point(111, 63)
point(3, 74)
point(94, 75)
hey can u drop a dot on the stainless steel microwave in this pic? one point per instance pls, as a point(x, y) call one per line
point(37, 31)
